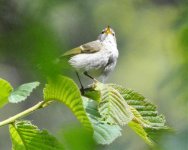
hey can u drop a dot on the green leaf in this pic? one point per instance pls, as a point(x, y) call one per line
point(5, 90)
point(112, 106)
point(26, 136)
point(138, 128)
point(146, 118)
point(76, 138)
point(146, 109)
point(64, 90)
point(92, 94)
point(104, 133)
point(22, 92)
point(138, 124)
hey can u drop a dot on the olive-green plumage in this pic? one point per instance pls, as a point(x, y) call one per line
point(90, 47)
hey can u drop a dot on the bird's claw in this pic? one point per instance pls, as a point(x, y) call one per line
point(82, 91)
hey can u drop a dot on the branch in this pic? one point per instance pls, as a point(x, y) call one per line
point(39, 105)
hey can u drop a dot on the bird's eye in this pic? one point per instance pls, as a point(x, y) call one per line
point(113, 34)
point(102, 32)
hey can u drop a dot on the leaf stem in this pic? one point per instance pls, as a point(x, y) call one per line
point(39, 105)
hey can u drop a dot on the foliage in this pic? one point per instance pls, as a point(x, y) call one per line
point(112, 107)
point(5, 90)
point(22, 92)
point(7, 94)
point(146, 119)
point(26, 136)
point(103, 110)
point(104, 133)
point(65, 90)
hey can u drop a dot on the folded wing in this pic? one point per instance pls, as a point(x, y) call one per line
point(90, 47)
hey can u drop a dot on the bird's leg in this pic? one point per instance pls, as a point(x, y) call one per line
point(82, 88)
point(85, 73)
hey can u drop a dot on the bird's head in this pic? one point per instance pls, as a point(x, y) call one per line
point(107, 34)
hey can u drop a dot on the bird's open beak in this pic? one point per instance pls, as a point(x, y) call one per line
point(108, 30)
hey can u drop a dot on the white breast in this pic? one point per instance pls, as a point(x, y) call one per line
point(112, 47)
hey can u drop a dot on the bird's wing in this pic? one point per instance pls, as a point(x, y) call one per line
point(90, 47)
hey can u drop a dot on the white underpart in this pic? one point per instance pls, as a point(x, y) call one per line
point(100, 63)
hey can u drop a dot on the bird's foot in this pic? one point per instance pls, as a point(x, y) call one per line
point(82, 90)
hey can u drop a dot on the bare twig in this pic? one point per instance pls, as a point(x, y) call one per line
point(39, 105)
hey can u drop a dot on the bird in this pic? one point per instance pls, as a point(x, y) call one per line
point(96, 58)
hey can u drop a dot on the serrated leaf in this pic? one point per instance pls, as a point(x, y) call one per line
point(138, 124)
point(104, 133)
point(146, 109)
point(64, 90)
point(26, 136)
point(156, 134)
point(112, 106)
point(146, 118)
point(139, 129)
point(22, 92)
point(5, 90)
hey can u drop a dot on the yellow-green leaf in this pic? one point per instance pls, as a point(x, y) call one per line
point(5, 90)
point(26, 136)
point(63, 89)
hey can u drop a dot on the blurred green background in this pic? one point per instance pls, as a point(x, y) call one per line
point(152, 37)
